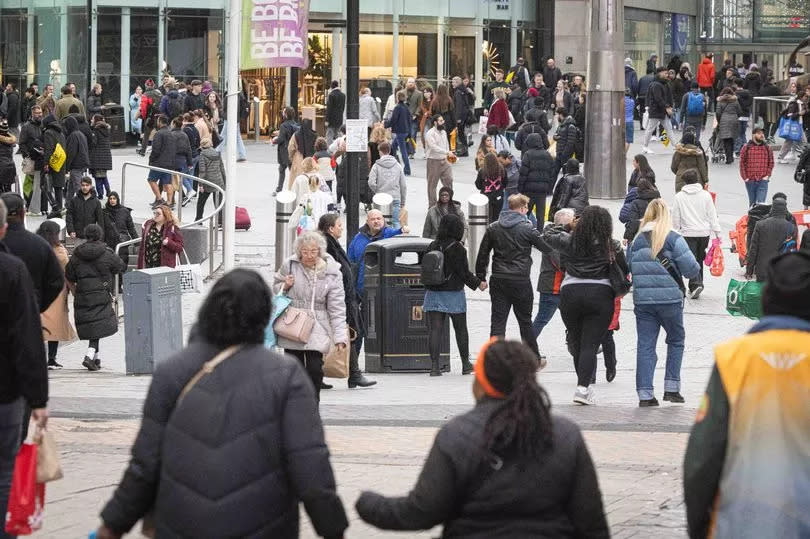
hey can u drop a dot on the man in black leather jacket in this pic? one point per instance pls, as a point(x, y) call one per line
point(511, 238)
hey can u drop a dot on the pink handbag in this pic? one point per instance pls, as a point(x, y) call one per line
point(296, 324)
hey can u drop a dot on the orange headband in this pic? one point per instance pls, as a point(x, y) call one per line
point(481, 375)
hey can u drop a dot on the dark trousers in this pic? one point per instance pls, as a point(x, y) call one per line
point(608, 353)
point(53, 348)
point(202, 198)
point(539, 202)
point(698, 246)
point(94, 344)
point(495, 206)
point(586, 310)
point(313, 364)
point(436, 321)
point(282, 170)
point(516, 294)
point(11, 416)
point(728, 149)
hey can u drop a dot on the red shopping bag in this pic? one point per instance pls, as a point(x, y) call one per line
point(27, 497)
point(718, 265)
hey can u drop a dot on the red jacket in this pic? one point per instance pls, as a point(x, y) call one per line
point(498, 114)
point(146, 104)
point(168, 252)
point(706, 73)
point(756, 161)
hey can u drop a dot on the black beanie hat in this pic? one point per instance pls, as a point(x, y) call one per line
point(787, 289)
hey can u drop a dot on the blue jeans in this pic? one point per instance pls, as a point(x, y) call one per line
point(395, 207)
point(240, 145)
point(398, 143)
point(757, 191)
point(11, 417)
point(414, 131)
point(649, 321)
point(545, 312)
point(741, 140)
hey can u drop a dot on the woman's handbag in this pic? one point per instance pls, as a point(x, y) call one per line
point(296, 324)
point(618, 278)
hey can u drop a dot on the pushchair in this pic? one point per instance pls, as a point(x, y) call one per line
point(716, 147)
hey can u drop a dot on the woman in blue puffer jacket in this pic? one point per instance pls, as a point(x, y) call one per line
point(659, 260)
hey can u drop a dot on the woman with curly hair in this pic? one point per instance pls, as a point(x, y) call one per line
point(506, 468)
point(586, 295)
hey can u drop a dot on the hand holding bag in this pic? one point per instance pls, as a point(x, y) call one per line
point(191, 279)
point(336, 362)
point(718, 265)
point(26, 499)
point(296, 324)
point(48, 465)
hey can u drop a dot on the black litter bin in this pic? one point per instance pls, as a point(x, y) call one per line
point(114, 116)
point(397, 332)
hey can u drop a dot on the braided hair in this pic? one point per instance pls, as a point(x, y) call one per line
point(522, 425)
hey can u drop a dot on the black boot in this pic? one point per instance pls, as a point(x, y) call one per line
point(435, 370)
point(466, 366)
point(356, 379)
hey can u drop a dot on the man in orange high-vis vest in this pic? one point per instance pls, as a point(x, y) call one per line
point(747, 465)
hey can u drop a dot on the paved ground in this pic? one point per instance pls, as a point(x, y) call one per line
point(379, 436)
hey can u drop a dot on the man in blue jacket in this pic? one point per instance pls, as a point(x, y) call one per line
point(400, 124)
point(373, 230)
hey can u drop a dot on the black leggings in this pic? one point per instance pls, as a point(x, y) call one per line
point(313, 363)
point(53, 348)
point(94, 344)
point(436, 321)
point(202, 198)
point(586, 310)
point(728, 149)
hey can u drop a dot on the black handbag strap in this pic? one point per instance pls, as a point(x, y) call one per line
point(668, 265)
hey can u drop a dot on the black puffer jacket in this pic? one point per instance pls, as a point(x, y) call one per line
point(22, 356)
point(636, 209)
point(39, 258)
point(583, 267)
point(53, 135)
point(31, 143)
point(768, 238)
point(804, 164)
point(512, 237)
point(94, 103)
point(566, 137)
point(83, 211)
point(100, 154)
point(92, 268)
point(536, 122)
point(570, 192)
point(118, 223)
point(8, 170)
point(554, 496)
point(163, 149)
point(246, 442)
point(548, 281)
point(536, 168)
point(182, 147)
point(659, 97)
point(78, 153)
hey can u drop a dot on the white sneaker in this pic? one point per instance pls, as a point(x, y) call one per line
point(645, 149)
point(585, 396)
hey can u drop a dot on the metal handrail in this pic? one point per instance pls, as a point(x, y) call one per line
point(210, 217)
point(779, 98)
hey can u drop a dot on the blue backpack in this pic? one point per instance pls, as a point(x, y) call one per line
point(695, 106)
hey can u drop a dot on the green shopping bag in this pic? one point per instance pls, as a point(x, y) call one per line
point(28, 185)
point(744, 298)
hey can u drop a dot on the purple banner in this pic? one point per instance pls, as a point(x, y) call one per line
point(274, 33)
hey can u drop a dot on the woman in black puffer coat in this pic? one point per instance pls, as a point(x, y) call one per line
point(90, 273)
point(100, 154)
point(570, 192)
point(646, 192)
point(235, 454)
point(118, 225)
point(536, 176)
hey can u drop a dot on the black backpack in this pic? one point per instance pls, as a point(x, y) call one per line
point(433, 268)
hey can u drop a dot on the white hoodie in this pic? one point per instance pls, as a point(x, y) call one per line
point(694, 214)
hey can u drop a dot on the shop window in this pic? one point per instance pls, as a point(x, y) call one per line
point(108, 57)
point(461, 56)
point(730, 20)
point(13, 54)
point(192, 37)
point(143, 46)
point(642, 32)
point(78, 53)
point(784, 20)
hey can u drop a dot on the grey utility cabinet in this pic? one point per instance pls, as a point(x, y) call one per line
point(153, 318)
